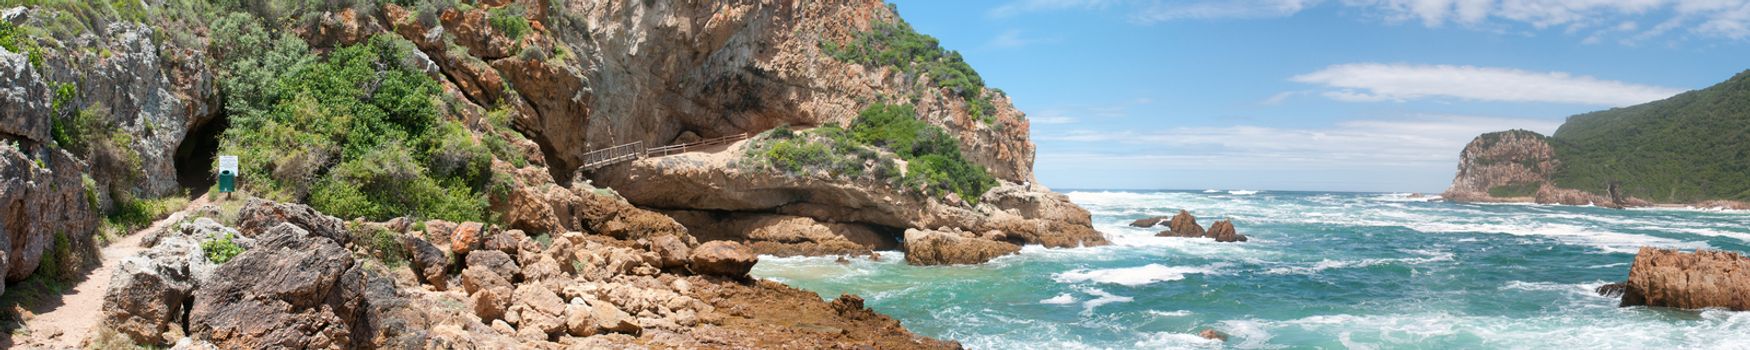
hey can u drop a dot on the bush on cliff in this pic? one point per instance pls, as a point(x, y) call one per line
point(357, 132)
point(1690, 147)
point(897, 45)
point(933, 157)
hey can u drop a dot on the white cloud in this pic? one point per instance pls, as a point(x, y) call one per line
point(1592, 20)
point(1162, 11)
point(1428, 140)
point(1371, 82)
point(1014, 38)
point(1027, 6)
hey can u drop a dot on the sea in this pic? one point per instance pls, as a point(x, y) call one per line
point(1322, 271)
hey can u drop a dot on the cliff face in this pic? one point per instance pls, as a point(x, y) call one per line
point(1501, 161)
point(1686, 149)
point(611, 72)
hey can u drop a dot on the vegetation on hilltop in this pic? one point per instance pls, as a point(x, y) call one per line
point(1690, 147)
point(897, 45)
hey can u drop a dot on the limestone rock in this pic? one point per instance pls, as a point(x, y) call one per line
point(36, 203)
point(722, 258)
point(610, 318)
point(477, 278)
point(1702, 279)
point(490, 303)
point(148, 292)
point(672, 251)
point(578, 320)
point(937, 247)
point(291, 290)
point(539, 309)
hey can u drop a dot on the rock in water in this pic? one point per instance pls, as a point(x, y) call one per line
point(722, 258)
point(1613, 290)
point(1213, 334)
point(1149, 221)
point(1223, 231)
point(1702, 279)
point(1182, 225)
point(936, 247)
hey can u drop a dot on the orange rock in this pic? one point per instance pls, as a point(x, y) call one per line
point(1702, 279)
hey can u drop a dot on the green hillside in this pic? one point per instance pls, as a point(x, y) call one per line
point(1690, 147)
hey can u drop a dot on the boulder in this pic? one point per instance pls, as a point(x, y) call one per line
point(670, 250)
point(429, 262)
point(1612, 290)
point(539, 309)
point(496, 262)
point(506, 241)
point(1149, 221)
point(292, 290)
point(1703, 279)
point(149, 291)
point(939, 247)
point(258, 216)
point(1223, 231)
point(466, 237)
point(439, 230)
point(490, 303)
point(579, 321)
point(722, 258)
point(476, 278)
point(1182, 225)
point(610, 318)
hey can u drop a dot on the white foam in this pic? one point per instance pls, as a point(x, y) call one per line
point(1131, 276)
point(1211, 191)
point(1715, 233)
point(1174, 313)
point(1606, 241)
point(1428, 256)
point(1172, 340)
point(1242, 192)
point(1060, 299)
point(1101, 297)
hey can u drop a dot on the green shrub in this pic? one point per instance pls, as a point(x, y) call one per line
point(897, 45)
point(357, 133)
point(933, 157)
point(220, 250)
point(383, 245)
point(509, 21)
point(16, 40)
point(1523, 189)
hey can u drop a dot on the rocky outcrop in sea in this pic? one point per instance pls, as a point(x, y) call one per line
point(1702, 279)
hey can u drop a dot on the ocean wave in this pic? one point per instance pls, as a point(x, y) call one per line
point(1327, 264)
point(1131, 276)
point(1101, 297)
point(1605, 241)
point(1060, 299)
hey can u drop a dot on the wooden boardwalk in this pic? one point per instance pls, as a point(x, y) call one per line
point(635, 150)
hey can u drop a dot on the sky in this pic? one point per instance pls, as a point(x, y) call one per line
point(1348, 95)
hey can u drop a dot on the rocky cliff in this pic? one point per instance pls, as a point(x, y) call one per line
point(1683, 150)
point(107, 103)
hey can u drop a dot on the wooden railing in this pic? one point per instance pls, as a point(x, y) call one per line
point(633, 151)
point(612, 155)
point(686, 147)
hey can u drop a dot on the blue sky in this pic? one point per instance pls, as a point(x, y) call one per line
point(1350, 95)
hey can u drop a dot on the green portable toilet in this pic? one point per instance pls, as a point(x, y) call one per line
point(227, 174)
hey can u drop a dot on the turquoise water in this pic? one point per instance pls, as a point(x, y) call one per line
point(1323, 270)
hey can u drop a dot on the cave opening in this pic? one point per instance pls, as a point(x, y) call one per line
point(196, 154)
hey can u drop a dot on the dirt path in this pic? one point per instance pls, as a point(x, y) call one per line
point(82, 306)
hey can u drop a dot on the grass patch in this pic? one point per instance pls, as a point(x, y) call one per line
point(222, 249)
point(508, 20)
point(935, 164)
point(1522, 189)
point(380, 244)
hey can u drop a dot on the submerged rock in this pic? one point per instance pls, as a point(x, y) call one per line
point(1149, 221)
point(1703, 279)
point(950, 247)
point(1213, 334)
point(1613, 290)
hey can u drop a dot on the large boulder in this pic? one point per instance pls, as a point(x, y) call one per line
point(722, 258)
point(1182, 225)
point(258, 216)
point(948, 247)
point(294, 289)
point(148, 292)
point(1703, 279)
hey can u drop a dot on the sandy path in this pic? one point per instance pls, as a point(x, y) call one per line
point(82, 306)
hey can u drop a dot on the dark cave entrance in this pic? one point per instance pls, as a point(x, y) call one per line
point(196, 155)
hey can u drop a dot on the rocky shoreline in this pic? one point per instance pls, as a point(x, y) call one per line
point(306, 280)
point(1517, 166)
